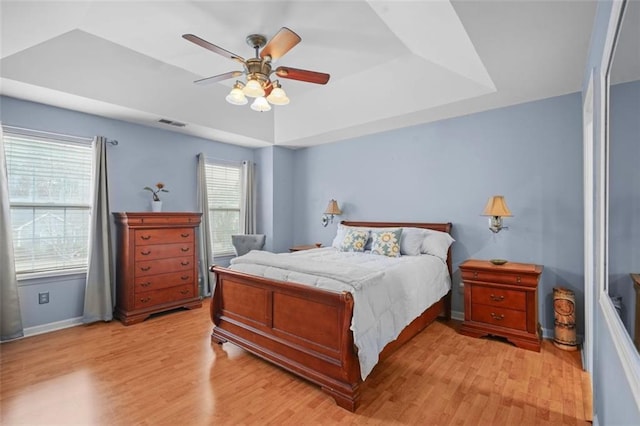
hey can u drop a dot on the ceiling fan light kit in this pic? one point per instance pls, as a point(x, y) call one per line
point(258, 70)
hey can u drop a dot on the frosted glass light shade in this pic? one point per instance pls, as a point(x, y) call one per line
point(236, 97)
point(278, 96)
point(253, 89)
point(260, 105)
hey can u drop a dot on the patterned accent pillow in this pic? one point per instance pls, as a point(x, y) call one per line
point(386, 242)
point(354, 240)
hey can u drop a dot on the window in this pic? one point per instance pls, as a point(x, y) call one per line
point(223, 191)
point(49, 197)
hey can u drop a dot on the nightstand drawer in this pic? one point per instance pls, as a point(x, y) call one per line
point(508, 318)
point(501, 277)
point(495, 296)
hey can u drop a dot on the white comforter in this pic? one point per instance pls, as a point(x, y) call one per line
point(388, 292)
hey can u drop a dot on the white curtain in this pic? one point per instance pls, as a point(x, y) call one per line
point(10, 317)
point(248, 206)
point(98, 294)
point(204, 236)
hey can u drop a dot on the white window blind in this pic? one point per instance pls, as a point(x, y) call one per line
point(223, 191)
point(49, 197)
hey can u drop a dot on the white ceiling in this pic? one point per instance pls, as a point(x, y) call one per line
point(392, 64)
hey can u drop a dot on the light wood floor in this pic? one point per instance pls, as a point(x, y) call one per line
point(165, 371)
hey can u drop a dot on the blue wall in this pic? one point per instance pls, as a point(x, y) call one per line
point(143, 156)
point(446, 171)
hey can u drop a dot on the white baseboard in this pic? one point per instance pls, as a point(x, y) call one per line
point(457, 315)
point(52, 326)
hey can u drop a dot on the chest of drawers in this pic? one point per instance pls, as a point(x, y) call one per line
point(157, 264)
point(502, 300)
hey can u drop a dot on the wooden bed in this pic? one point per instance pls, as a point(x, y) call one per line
point(304, 329)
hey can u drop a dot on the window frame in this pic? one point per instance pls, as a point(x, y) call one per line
point(68, 141)
point(230, 251)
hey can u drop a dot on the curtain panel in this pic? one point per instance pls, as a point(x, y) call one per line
point(205, 251)
point(10, 316)
point(98, 295)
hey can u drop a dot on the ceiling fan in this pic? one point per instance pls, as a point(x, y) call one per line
point(258, 70)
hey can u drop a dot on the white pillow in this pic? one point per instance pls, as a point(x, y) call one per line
point(411, 241)
point(437, 243)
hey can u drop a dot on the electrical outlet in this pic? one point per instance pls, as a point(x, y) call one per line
point(43, 298)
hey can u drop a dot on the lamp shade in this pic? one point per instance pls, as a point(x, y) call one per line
point(260, 105)
point(333, 208)
point(236, 96)
point(253, 89)
point(496, 206)
point(277, 95)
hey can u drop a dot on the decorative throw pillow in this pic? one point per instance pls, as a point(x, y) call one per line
point(386, 242)
point(354, 240)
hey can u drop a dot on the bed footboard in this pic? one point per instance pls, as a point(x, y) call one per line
point(302, 329)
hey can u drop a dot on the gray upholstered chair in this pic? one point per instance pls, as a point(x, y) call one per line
point(247, 242)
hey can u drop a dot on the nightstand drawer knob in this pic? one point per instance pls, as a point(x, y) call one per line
point(475, 274)
point(145, 268)
point(518, 279)
point(497, 317)
point(496, 298)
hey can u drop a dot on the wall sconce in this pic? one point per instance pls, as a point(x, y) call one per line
point(496, 209)
point(331, 211)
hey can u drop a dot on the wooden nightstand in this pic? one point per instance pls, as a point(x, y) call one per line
point(304, 247)
point(502, 301)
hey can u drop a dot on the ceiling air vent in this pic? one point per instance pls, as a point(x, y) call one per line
point(171, 122)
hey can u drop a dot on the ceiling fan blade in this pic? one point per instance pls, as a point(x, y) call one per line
point(220, 77)
point(302, 75)
point(281, 43)
point(212, 47)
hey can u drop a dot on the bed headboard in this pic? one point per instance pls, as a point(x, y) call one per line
point(442, 227)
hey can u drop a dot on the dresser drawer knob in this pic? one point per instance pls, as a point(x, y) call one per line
point(185, 235)
point(496, 298)
point(184, 249)
point(145, 253)
point(184, 263)
point(518, 279)
point(145, 284)
point(145, 268)
point(145, 299)
point(184, 277)
point(497, 317)
point(475, 274)
point(145, 237)
point(184, 291)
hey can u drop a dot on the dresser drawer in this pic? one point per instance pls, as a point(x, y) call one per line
point(165, 295)
point(496, 296)
point(502, 317)
point(501, 277)
point(162, 251)
point(163, 236)
point(156, 282)
point(162, 266)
